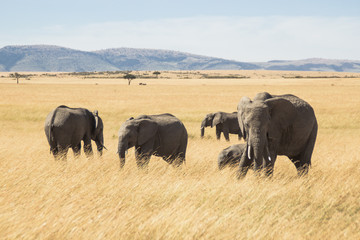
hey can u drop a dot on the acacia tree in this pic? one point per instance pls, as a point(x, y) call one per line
point(129, 77)
point(157, 73)
point(16, 76)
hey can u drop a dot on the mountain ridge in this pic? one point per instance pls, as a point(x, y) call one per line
point(52, 58)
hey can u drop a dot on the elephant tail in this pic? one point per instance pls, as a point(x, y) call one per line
point(51, 137)
point(51, 126)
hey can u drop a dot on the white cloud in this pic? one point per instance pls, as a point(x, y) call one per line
point(239, 38)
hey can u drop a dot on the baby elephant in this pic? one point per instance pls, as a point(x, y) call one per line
point(161, 135)
point(231, 156)
point(66, 127)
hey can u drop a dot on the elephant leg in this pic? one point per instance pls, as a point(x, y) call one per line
point(269, 158)
point(55, 152)
point(142, 161)
point(258, 167)
point(176, 160)
point(226, 134)
point(218, 132)
point(76, 149)
point(180, 158)
point(144, 153)
point(170, 160)
point(62, 152)
point(302, 162)
point(87, 148)
point(301, 167)
point(53, 148)
point(137, 152)
point(244, 166)
point(268, 165)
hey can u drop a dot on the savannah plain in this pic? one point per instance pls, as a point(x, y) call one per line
point(41, 198)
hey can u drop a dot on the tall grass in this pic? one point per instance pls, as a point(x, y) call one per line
point(92, 199)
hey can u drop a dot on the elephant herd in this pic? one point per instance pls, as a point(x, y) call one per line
point(271, 125)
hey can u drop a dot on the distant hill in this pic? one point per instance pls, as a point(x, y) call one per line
point(313, 64)
point(151, 59)
point(47, 58)
point(43, 58)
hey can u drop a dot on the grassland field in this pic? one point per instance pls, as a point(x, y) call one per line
point(92, 199)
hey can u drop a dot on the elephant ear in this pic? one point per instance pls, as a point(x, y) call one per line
point(203, 123)
point(147, 130)
point(217, 119)
point(241, 114)
point(282, 112)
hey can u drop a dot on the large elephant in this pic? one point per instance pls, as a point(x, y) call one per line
point(66, 127)
point(231, 156)
point(224, 122)
point(161, 135)
point(276, 125)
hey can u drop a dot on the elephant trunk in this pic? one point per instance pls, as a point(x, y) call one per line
point(100, 144)
point(222, 161)
point(258, 152)
point(202, 132)
point(122, 148)
point(256, 148)
point(202, 128)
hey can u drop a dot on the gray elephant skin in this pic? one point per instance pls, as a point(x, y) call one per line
point(276, 125)
point(66, 127)
point(223, 122)
point(161, 135)
point(231, 156)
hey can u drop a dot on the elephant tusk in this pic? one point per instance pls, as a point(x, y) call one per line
point(249, 149)
point(105, 147)
point(268, 153)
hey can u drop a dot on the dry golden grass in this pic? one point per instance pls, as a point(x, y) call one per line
point(91, 199)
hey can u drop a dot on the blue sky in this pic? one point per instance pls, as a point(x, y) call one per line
point(253, 30)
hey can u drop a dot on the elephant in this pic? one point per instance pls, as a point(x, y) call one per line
point(161, 135)
point(66, 127)
point(230, 156)
point(224, 122)
point(276, 125)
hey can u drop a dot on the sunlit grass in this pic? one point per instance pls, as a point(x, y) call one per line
point(92, 198)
